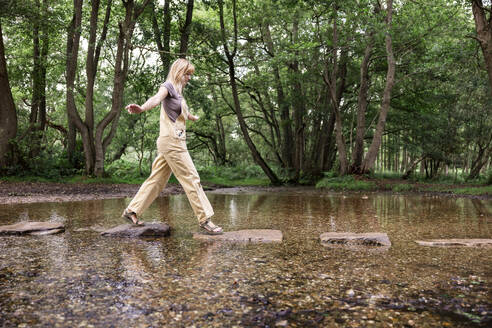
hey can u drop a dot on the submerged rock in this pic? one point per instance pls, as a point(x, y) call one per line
point(132, 231)
point(456, 242)
point(32, 228)
point(249, 235)
point(350, 238)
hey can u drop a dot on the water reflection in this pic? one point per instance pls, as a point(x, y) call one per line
point(81, 278)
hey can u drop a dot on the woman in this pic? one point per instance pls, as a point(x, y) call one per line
point(172, 154)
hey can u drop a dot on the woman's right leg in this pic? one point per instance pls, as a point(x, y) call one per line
point(151, 188)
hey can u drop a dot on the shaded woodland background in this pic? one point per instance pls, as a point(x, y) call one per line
point(288, 88)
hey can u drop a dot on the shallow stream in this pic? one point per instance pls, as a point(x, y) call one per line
point(81, 279)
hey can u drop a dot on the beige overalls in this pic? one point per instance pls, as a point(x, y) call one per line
point(173, 156)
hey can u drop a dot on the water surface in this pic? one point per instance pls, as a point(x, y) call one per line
point(80, 278)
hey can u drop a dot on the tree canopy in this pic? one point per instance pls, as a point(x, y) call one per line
point(297, 87)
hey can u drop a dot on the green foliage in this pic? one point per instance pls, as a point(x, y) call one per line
point(386, 175)
point(52, 166)
point(440, 179)
point(440, 106)
point(489, 177)
point(402, 187)
point(233, 176)
point(124, 169)
point(347, 182)
point(487, 190)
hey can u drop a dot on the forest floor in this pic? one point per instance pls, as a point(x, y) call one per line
point(34, 192)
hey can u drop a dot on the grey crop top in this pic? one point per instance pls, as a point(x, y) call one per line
point(172, 103)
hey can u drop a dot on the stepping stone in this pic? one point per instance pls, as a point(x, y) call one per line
point(456, 242)
point(94, 228)
point(249, 235)
point(350, 238)
point(32, 228)
point(133, 231)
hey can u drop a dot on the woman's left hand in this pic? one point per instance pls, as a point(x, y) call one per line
point(192, 117)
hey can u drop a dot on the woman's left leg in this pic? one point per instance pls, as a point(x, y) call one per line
point(187, 175)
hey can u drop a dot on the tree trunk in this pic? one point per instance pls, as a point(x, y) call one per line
point(412, 167)
point(330, 78)
point(123, 147)
point(369, 160)
point(92, 60)
point(483, 26)
point(287, 139)
point(329, 149)
point(221, 136)
point(221, 143)
point(484, 151)
point(362, 102)
point(299, 109)
point(8, 114)
point(237, 106)
point(73, 42)
point(126, 28)
point(186, 30)
point(163, 45)
point(37, 118)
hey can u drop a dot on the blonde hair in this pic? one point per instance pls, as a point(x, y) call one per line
point(178, 69)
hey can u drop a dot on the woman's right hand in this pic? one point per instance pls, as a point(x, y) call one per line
point(134, 109)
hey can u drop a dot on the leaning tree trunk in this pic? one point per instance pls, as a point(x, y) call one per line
point(482, 158)
point(412, 167)
point(8, 114)
point(237, 106)
point(370, 159)
point(483, 26)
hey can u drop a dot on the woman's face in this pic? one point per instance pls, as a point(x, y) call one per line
point(186, 78)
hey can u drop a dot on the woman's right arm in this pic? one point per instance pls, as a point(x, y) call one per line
point(150, 103)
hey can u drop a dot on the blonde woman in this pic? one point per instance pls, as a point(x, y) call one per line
point(172, 154)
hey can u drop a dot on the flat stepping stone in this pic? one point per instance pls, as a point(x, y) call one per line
point(32, 228)
point(248, 235)
point(350, 238)
point(133, 231)
point(94, 228)
point(456, 242)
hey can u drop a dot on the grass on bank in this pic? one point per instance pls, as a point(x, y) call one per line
point(473, 190)
point(391, 181)
point(122, 173)
point(347, 182)
point(127, 173)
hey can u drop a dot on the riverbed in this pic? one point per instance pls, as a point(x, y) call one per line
point(80, 278)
